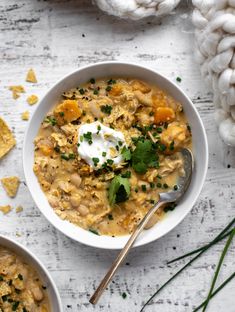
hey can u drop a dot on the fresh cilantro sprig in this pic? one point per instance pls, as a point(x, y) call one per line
point(119, 190)
point(144, 157)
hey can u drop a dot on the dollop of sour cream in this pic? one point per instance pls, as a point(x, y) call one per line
point(98, 144)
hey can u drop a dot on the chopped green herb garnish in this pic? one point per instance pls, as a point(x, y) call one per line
point(98, 127)
point(119, 190)
point(136, 189)
point(110, 161)
point(1, 278)
point(172, 146)
point(189, 128)
point(159, 185)
point(92, 80)
point(124, 295)
point(117, 147)
point(25, 310)
point(159, 177)
point(178, 79)
point(162, 147)
point(95, 161)
point(159, 130)
point(15, 305)
point(94, 231)
point(152, 201)
point(78, 144)
point(111, 81)
point(96, 92)
point(104, 154)
point(83, 113)
point(120, 143)
point(165, 185)
point(81, 91)
point(169, 207)
point(144, 187)
point(61, 114)
point(71, 156)
point(108, 88)
point(81, 138)
point(57, 149)
point(126, 174)
point(110, 217)
point(151, 113)
point(106, 109)
point(4, 298)
point(152, 185)
point(20, 277)
point(88, 137)
point(64, 156)
point(51, 120)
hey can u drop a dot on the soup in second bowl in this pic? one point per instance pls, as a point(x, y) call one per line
point(21, 288)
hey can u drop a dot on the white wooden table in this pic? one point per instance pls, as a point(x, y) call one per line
point(55, 37)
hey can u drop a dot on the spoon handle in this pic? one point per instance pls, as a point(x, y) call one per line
point(122, 255)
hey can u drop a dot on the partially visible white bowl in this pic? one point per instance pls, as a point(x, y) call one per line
point(30, 259)
point(117, 69)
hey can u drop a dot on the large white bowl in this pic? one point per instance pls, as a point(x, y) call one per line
point(20, 250)
point(116, 69)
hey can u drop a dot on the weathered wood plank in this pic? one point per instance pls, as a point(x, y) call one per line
point(55, 37)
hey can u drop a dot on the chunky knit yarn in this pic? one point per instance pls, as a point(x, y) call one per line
point(137, 9)
point(215, 42)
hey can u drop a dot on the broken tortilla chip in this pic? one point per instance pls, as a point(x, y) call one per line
point(25, 115)
point(19, 209)
point(5, 209)
point(16, 90)
point(32, 99)
point(7, 140)
point(11, 185)
point(31, 77)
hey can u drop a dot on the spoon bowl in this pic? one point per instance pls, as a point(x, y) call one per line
point(184, 181)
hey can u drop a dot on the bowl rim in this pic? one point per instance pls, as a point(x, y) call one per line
point(30, 254)
point(169, 82)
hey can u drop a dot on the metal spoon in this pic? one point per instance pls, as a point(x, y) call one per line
point(164, 198)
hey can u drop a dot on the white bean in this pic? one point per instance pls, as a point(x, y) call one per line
point(76, 179)
point(37, 293)
point(83, 210)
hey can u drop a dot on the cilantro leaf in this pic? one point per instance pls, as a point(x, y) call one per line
point(126, 153)
point(144, 156)
point(119, 190)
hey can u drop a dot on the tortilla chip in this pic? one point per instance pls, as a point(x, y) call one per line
point(16, 90)
point(25, 115)
point(32, 99)
point(19, 209)
point(7, 140)
point(5, 209)
point(31, 77)
point(11, 185)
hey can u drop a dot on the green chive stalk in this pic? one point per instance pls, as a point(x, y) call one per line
point(223, 254)
point(218, 238)
point(201, 251)
point(216, 291)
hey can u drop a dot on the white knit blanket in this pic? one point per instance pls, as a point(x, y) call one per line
point(215, 45)
point(136, 9)
point(215, 41)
